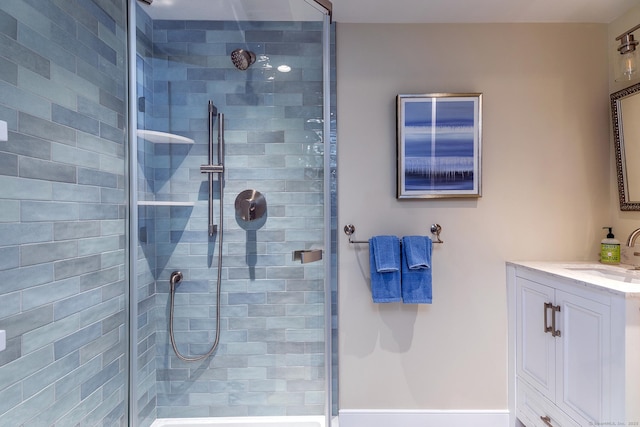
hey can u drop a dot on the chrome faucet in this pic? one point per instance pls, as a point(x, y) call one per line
point(632, 241)
point(632, 238)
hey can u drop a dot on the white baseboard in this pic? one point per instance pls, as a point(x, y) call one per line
point(427, 418)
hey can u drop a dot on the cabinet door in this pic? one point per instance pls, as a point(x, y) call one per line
point(583, 358)
point(535, 349)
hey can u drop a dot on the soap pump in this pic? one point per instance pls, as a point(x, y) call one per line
point(609, 249)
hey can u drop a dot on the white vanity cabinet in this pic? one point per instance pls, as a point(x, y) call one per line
point(574, 348)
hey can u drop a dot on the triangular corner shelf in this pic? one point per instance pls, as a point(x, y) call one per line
point(163, 137)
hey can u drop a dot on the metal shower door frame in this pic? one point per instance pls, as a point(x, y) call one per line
point(132, 214)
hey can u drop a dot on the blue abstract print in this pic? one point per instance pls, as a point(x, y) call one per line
point(439, 145)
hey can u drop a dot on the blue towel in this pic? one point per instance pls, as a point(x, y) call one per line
point(384, 260)
point(416, 270)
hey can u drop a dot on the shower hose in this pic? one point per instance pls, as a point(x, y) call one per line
point(175, 278)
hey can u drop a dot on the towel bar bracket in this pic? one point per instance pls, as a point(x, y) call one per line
point(436, 229)
point(350, 229)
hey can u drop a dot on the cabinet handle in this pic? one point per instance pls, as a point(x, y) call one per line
point(555, 309)
point(547, 420)
point(547, 328)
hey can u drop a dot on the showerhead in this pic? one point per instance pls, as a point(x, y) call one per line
point(242, 59)
point(148, 2)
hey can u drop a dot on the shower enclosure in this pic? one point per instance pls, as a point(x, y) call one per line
point(254, 82)
point(109, 199)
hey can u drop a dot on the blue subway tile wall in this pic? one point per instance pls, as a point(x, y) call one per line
point(270, 360)
point(63, 79)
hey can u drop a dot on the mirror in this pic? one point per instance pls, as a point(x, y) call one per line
point(625, 111)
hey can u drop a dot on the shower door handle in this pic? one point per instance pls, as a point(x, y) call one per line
point(306, 256)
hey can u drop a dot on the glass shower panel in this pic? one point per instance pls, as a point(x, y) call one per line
point(271, 359)
point(63, 204)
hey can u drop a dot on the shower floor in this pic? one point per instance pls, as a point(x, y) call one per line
point(305, 421)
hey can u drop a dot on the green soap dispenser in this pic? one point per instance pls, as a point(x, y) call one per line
point(609, 249)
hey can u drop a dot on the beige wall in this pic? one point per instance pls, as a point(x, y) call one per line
point(624, 222)
point(546, 194)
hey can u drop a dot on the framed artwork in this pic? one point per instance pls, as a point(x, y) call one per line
point(439, 145)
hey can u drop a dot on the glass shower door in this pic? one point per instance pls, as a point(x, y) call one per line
point(273, 357)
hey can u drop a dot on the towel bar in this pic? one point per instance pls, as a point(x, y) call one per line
point(349, 229)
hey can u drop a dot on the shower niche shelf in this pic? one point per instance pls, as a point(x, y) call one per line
point(158, 137)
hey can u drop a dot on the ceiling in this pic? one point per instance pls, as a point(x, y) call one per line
point(482, 11)
point(398, 11)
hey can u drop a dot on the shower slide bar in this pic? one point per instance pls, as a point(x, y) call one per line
point(176, 277)
point(349, 229)
point(214, 169)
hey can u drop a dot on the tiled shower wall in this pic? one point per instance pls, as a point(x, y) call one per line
point(62, 212)
point(271, 355)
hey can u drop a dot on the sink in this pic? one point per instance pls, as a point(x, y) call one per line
point(619, 274)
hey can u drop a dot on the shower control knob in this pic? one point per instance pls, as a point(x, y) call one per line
point(250, 205)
